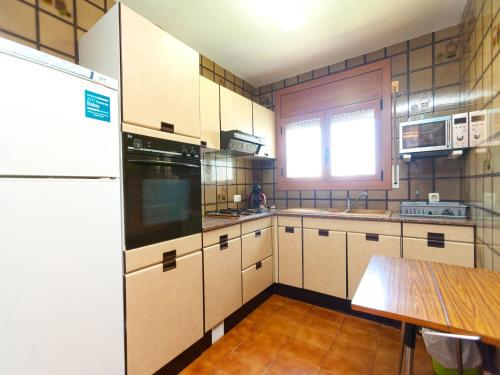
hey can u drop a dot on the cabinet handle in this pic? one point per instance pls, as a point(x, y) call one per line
point(323, 232)
point(167, 127)
point(371, 237)
point(224, 245)
point(289, 230)
point(203, 144)
point(258, 265)
point(169, 261)
point(435, 240)
point(258, 233)
point(223, 238)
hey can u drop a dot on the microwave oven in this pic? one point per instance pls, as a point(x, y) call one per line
point(432, 135)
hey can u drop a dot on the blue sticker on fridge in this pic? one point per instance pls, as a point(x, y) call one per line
point(97, 106)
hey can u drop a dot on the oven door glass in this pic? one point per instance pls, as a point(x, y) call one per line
point(430, 135)
point(162, 199)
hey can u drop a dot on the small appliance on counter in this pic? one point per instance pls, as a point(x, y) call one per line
point(232, 212)
point(434, 209)
point(257, 199)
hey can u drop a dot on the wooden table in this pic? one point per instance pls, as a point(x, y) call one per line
point(433, 295)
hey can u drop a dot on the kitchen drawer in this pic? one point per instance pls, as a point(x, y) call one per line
point(217, 235)
point(446, 232)
point(256, 246)
point(164, 313)
point(360, 249)
point(257, 278)
point(253, 225)
point(457, 253)
point(222, 275)
point(290, 221)
point(146, 256)
point(352, 225)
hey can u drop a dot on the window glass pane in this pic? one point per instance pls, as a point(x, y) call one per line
point(303, 149)
point(352, 144)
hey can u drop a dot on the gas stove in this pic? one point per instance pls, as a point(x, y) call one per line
point(232, 212)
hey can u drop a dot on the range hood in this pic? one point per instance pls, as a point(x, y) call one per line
point(239, 142)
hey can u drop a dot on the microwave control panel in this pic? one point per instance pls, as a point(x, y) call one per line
point(478, 128)
point(460, 130)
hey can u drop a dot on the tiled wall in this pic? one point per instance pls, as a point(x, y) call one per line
point(427, 69)
point(480, 86)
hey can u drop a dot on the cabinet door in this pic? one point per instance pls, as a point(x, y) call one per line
point(457, 253)
point(290, 256)
point(256, 246)
point(222, 275)
point(209, 113)
point(235, 111)
point(325, 262)
point(264, 126)
point(160, 77)
point(164, 313)
point(360, 248)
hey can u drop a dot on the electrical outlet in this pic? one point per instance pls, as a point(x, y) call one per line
point(395, 86)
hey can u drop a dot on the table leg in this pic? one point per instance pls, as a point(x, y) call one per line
point(459, 357)
point(408, 348)
point(401, 347)
point(488, 354)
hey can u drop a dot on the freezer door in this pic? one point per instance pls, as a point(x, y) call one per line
point(55, 124)
point(61, 293)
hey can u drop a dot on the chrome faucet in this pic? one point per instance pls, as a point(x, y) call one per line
point(350, 205)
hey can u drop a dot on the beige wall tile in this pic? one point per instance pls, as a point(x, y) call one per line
point(396, 48)
point(446, 33)
point(56, 34)
point(421, 58)
point(447, 74)
point(421, 80)
point(421, 41)
point(398, 64)
point(18, 18)
point(64, 9)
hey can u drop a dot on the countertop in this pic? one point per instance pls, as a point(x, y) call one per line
point(211, 222)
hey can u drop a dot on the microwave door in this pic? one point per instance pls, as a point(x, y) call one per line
point(425, 136)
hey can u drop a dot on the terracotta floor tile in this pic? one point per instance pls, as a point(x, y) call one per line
point(321, 324)
point(299, 305)
point(218, 351)
point(244, 328)
point(355, 337)
point(312, 336)
point(286, 364)
point(199, 367)
point(331, 315)
point(390, 333)
point(277, 299)
point(235, 363)
point(279, 324)
point(305, 351)
point(293, 313)
point(348, 363)
point(361, 324)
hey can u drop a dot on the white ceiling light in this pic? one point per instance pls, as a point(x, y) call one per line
point(288, 15)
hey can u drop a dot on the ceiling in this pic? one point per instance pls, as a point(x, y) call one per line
point(263, 41)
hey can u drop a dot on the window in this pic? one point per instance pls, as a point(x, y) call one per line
point(336, 133)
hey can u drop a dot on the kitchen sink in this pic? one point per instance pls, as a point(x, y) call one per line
point(368, 212)
point(313, 210)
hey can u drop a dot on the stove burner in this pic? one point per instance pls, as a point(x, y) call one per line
point(232, 212)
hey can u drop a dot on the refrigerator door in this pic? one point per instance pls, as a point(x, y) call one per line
point(61, 286)
point(53, 123)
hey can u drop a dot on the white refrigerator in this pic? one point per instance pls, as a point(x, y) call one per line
point(61, 288)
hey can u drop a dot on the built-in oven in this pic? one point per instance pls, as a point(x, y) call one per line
point(162, 188)
point(428, 135)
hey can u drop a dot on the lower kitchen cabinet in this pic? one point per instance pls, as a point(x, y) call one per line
point(222, 275)
point(257, 278)
point(360, 248)
point(325, 262)
point(256, 246)
point(290, 256)
point(456, 253)
point(164, 310)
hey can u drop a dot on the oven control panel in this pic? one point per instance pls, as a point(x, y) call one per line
point(478, 128)
point(164, 147)
point(460, 130)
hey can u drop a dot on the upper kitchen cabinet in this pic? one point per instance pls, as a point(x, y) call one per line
point(264, 126)
point(159, 75)
point(209, 113)
point(235, 111)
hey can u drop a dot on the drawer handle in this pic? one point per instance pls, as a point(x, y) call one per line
point(323, 233)
point(224, 245)
point(289, 230)
point(169, 261)
point(167, 127)
point(258, 265)
point(203, 144)
point(258, 233)
point(372, 237)
point(223, 238)
point(435, 240)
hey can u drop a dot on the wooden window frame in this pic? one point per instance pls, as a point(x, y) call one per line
point(380, 92)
